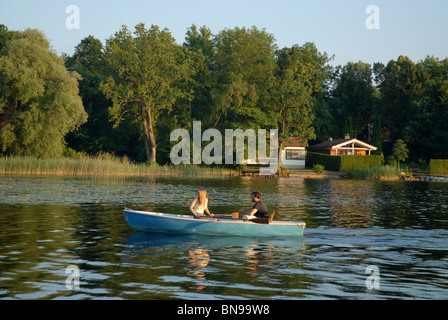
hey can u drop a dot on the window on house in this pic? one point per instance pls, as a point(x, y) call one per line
point(292, 154)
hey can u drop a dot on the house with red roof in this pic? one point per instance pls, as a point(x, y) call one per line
point(294, 153)
point(346, 146)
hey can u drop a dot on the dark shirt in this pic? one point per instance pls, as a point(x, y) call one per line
point(262, 210)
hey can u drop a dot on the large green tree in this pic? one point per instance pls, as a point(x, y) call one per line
point(195, 103)
point(88, 56)
point(402, 83)
point(98, 133)
point(354, 95)
point(244, 60)
point(293, 88)
point(426, 131)
point(39, 101)
point(414, 104)
point(199, 49)
point(143, 70)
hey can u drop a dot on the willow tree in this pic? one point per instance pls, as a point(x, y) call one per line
point(143, 70)
point(39, 101)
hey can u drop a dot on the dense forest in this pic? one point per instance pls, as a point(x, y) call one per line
point(125, 96)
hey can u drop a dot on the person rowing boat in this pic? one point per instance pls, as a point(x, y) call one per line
point(259, 210)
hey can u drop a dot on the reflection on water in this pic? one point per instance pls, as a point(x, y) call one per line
point(207, 264)
point(48, 223)
point(199, 258)
point(354, 207)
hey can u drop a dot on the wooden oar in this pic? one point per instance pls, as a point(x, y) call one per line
point(233, 215)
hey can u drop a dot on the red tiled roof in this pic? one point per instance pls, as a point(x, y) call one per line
point(329, 144)
point(295, 142)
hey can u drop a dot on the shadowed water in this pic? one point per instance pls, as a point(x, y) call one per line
point(50, 223)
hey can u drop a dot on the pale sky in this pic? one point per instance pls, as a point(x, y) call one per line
point(414, 28)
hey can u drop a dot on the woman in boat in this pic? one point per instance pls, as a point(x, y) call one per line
point(199, 205)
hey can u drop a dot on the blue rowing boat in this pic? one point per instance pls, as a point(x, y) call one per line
point(188, 224)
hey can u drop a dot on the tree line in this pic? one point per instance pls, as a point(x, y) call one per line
point(126, 96)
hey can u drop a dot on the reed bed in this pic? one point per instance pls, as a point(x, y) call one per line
point(377, 173)
point(99, 165)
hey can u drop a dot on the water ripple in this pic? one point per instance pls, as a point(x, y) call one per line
point(47, 224)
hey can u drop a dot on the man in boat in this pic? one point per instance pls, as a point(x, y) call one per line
point(259, 209)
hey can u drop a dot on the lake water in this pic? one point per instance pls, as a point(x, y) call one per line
point(364, 240)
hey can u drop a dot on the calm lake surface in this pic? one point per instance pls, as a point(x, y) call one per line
point(50, 223)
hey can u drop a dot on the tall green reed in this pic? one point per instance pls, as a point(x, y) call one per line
point(377, 173)
point(102, 164)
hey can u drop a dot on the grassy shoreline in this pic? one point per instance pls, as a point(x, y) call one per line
point(105, 164)
point(99, 165)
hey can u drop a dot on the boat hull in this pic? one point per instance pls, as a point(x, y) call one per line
point(187, 224)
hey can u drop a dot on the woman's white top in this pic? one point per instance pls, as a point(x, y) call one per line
point(198, 208)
